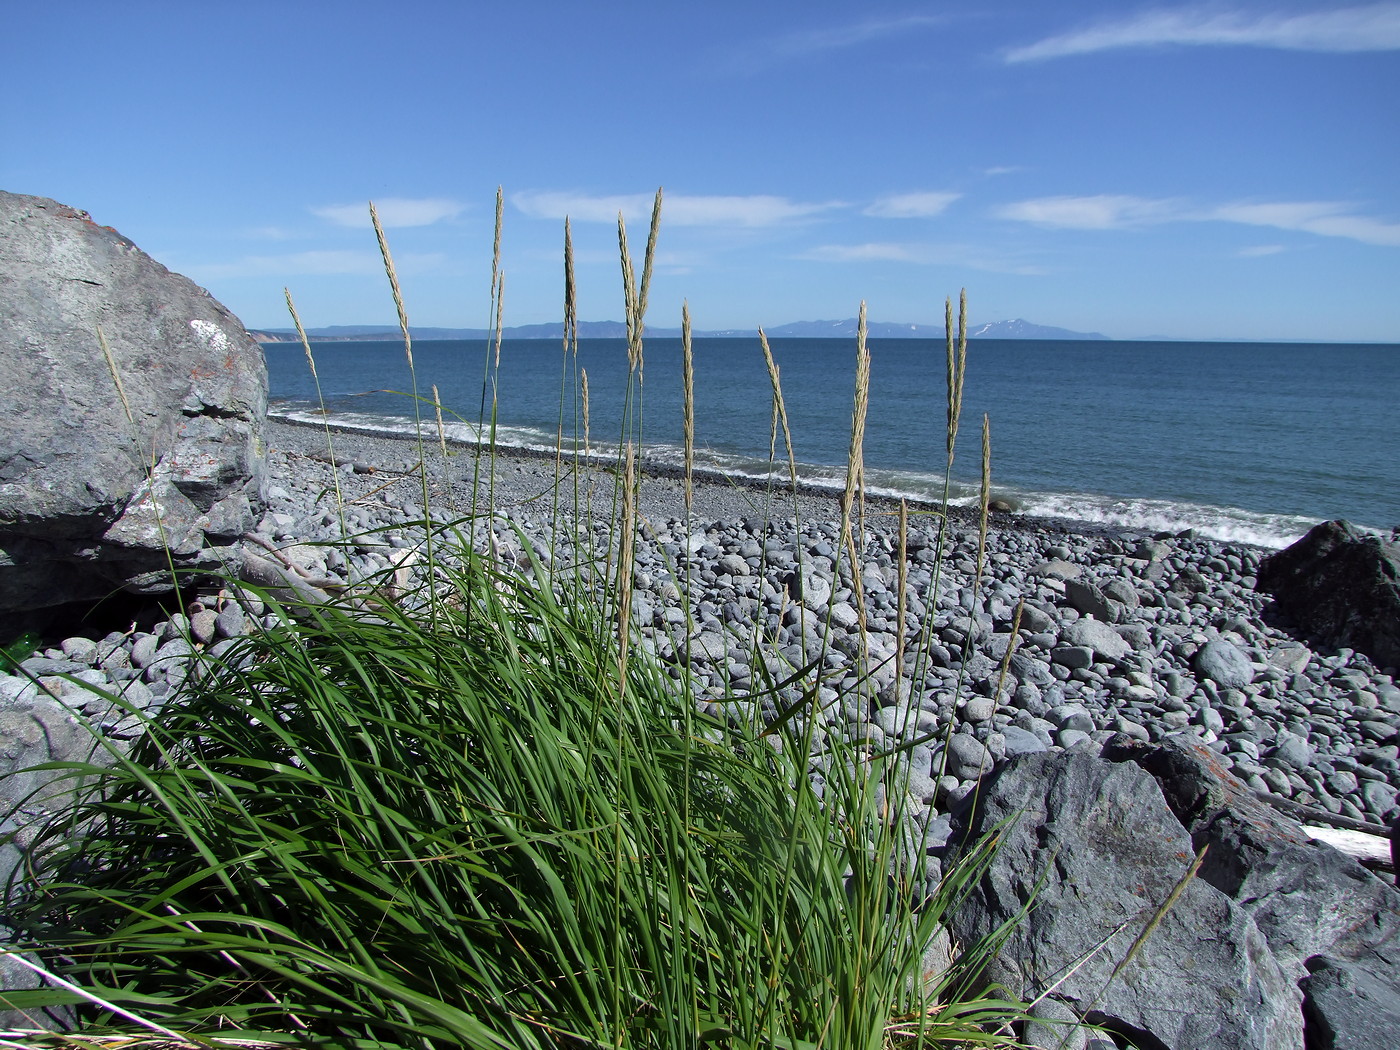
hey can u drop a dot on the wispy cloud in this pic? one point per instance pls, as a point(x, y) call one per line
point(393, 211)
point(679, 210)
point(1369, 27)
point(1110, 212)
point(1103, 212)
point(1324, 218)
point(836, 38)
point(316, 263)
point(1258, 250)
point(918, 254)
point(911, 205)
point(268, 233)
point(872, 252)
point(752, 57)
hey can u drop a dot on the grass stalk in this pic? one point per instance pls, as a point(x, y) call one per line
point(489, 378)
point(116, 375)
point(402, 313)
point(325, 417)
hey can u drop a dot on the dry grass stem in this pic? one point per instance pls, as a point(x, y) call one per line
point(321, 401)
point(583, 396)
point(629, 291)
point(688, 392)
point(1158, 916)
point(957, 366)
point(301, 335)
point(780, 410)
point(627, 542)
point(1010, 647)
point(853, 498)
point(650, 256)
point(441, 430)
point(393, 282)
point(116, 375)
point(902, 590)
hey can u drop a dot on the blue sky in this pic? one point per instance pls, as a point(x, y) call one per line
point(1220, 170)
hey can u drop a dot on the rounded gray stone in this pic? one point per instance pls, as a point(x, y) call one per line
point(968, 758)
point(1097, 636)
point(1224, 663)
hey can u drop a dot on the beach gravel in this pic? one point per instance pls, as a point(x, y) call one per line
point(1160, 636)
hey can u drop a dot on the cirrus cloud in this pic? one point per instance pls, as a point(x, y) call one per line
point(1120, 212)
point(393, 212)
point(1323, 218)
point(1102, 212)
point(918, 254)
point(911, 205)
point(679, 210)
point(1369, 27)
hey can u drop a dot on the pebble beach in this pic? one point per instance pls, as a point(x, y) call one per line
point(1120, 633)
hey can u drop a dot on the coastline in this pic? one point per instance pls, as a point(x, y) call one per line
point(522, 477)
point(1069, 638)
point(1119, 630)
point(1068, 649)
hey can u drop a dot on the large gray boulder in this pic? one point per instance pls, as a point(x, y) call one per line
point(1342, 586)
point(1094, 851)
point(91, 500)
point(1320, 911)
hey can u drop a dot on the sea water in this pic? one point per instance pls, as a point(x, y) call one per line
point(1253, 442)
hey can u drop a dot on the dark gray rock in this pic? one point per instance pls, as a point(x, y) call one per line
point(1106, 643)
point(1348, 1009)
point(89, 499)
point(1111, 853)
point(1306, 898)
point(1089, 600)
point(34, 730)
point(968, 758)
point(1021, 741)
point(1341, 586)
point(1028, 669)
point(1123, 592)
point(1075, 657)
point(1224, 664)
point(15, 976)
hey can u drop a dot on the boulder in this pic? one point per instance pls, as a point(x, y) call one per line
point(1090, 600)
point(1307, 898)
point(1224, 663)
point(1106, 643)
point(99, 479)
point(1347, 1009)
point(1341, 586)
point(1092, 850)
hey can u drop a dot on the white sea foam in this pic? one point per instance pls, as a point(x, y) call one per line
point(1229, 524)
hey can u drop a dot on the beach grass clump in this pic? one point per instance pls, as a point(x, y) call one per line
point(480, 812)
point(482, 830)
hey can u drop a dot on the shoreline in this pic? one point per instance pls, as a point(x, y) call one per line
point(713, 489)
point(1068, 638)
point(1121, 633)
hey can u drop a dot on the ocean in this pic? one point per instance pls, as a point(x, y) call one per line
point(1249, 442)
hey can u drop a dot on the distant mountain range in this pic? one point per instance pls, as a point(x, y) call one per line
point(846, 329)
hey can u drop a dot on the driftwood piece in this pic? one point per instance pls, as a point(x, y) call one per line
point(1371, 850)
point(279, 581)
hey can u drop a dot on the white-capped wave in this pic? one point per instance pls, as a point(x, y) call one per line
point(1229, 524)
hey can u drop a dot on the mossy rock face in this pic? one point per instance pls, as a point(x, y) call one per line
point(98, 479)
